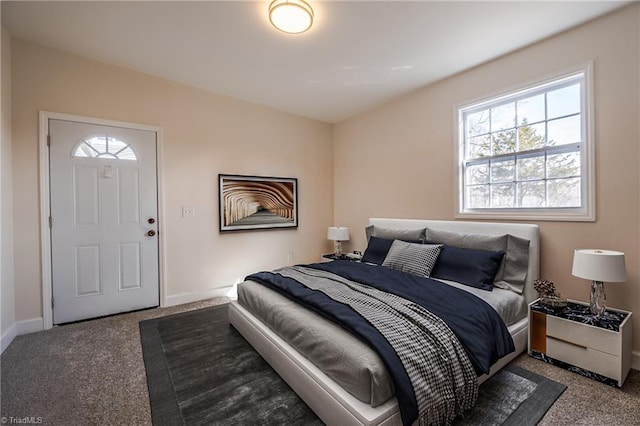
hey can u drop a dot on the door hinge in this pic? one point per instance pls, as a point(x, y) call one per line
point(49, 141)
point(50, 222)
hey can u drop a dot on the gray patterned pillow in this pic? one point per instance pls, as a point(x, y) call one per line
point(416, 259)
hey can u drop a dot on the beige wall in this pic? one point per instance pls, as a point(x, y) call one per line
point(204, 134)
point(397, 161)
point(7, 298)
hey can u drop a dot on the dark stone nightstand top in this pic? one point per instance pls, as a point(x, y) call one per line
point(581, 313)
point(343, 257)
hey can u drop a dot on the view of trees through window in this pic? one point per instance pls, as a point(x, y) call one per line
point(524, 151)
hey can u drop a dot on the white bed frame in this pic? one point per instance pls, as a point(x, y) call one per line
point(324, 396)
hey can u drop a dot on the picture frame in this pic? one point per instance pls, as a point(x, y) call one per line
point(248, 203)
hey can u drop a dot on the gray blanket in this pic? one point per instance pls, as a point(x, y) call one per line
point(355, 366)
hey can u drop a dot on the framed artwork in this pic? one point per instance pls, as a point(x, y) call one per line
point(257, 202)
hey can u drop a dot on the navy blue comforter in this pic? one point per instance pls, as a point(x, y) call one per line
point(475, 323)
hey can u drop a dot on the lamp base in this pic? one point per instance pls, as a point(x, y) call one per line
point(338, 247)
point(598, 298)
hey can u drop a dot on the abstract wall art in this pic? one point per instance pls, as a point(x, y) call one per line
point(257, 202)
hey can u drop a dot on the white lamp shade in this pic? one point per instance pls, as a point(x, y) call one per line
point(337, 233)
point(599, 265)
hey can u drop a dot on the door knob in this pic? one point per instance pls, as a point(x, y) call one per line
point(151, 220)
point(151, 233)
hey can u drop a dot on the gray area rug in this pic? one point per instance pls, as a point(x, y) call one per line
point(201, 371)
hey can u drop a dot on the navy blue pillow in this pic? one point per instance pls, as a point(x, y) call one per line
point(475, 268)
point(377, 250)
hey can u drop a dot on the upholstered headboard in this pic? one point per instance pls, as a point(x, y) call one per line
point(522, 230)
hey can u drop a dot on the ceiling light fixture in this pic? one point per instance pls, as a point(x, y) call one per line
point(291, 16)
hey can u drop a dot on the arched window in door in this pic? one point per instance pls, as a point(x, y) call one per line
point(104, 147)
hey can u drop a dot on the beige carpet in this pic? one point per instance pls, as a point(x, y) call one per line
point(93, 373)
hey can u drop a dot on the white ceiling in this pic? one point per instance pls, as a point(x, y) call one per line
point(357, 55)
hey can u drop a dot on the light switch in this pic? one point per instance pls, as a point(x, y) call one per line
point(188, 211)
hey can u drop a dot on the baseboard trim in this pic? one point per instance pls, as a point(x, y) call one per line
point(21, 327)
point(29, 326)
point(182, 298)
point(8, 337)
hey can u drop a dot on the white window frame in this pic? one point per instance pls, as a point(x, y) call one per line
point(585, 213)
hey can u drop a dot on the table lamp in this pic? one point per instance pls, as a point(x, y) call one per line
point(338, 234)
point(599, 266)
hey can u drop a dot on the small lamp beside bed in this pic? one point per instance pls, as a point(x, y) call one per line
point(338, 234)
point(599, 266)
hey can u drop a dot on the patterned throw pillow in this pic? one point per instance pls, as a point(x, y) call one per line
point(416, 259)
point(378, 248)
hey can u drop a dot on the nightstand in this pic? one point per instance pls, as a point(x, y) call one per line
point(575, 339)
point(330, 257)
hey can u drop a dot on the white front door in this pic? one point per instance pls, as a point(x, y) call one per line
point(104, 220)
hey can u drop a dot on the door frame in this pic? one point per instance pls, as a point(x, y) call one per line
point(45, 205)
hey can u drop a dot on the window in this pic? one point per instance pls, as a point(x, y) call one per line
point(527, 154)
point(104, 147)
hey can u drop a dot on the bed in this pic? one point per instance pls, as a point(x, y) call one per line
point(328, 398)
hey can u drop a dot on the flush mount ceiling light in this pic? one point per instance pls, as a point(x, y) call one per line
point(291, 16)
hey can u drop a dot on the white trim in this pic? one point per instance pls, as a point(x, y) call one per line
point(182, 298)
point(635, 360)
point(45, 211)
point(20, 327)
point(527, 216)
point(586, 213)
point(45, 235)
point(8, 337)
point(162, 263)
point(29, 326)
